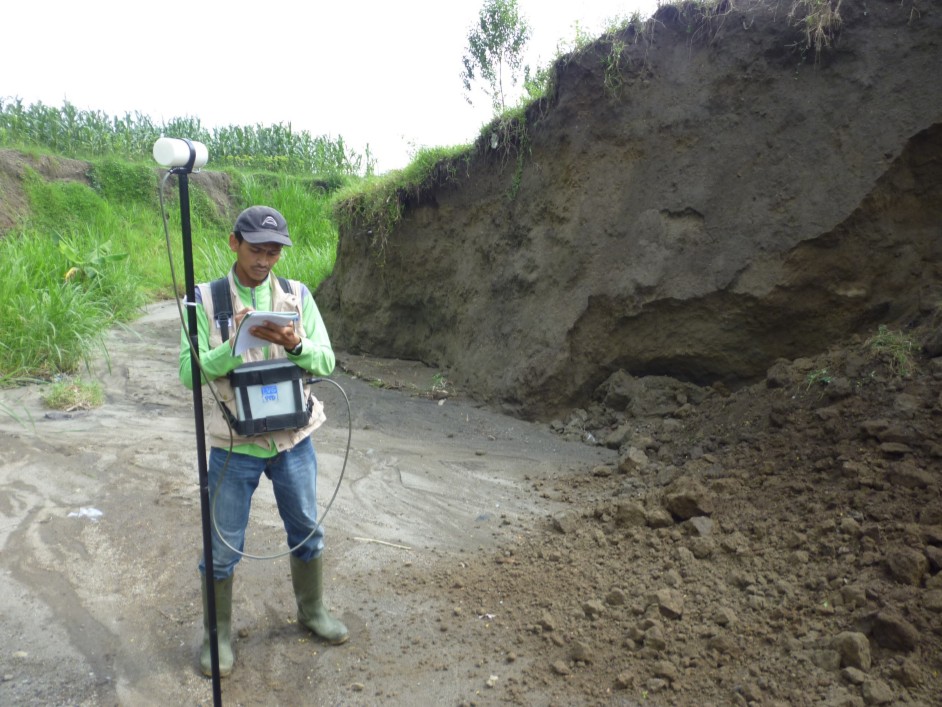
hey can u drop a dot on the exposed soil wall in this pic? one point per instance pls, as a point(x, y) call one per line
point(724, 200)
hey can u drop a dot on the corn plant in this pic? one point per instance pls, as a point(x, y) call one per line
point(84, 134)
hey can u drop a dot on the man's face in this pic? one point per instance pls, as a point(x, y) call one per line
point(254, 260)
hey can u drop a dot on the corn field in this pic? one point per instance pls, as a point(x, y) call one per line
point(81, 134)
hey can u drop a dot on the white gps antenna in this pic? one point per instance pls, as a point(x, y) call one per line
point(180, 152)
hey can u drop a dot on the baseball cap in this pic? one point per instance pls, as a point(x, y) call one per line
point(262, 224)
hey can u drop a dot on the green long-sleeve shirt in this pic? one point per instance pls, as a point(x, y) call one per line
point(317, 355)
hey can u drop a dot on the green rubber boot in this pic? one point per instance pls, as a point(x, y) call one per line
point(309, 591)
point(223, 628)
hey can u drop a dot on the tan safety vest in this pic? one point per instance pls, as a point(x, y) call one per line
point(218, 427)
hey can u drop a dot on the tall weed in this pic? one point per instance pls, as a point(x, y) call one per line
point(47, 325)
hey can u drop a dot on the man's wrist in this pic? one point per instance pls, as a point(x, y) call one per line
point(297, 349)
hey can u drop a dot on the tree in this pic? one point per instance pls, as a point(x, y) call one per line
point(495, 49)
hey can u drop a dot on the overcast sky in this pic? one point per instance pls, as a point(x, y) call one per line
point(374, 71)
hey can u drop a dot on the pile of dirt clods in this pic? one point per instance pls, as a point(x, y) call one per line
point(781, 544)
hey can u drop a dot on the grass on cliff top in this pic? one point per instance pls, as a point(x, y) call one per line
point(376, 204)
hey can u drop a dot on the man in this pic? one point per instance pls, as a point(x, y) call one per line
point(286, 456)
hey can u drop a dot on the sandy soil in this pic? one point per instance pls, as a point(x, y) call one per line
point(106, 610)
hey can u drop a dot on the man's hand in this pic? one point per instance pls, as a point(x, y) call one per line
point(284, 336)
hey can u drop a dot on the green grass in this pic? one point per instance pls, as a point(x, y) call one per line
point(377, 204)
point(895, 348)
point(46, 324)
point(818, 377)
point(88, 257)
point(76, 394)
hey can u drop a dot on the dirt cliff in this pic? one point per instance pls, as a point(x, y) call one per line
point(700, 196)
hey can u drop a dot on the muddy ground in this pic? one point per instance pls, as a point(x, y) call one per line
point(776, 545)
point(107, 611)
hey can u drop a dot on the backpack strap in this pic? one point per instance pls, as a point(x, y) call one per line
point(285, 285)
point(222, 305)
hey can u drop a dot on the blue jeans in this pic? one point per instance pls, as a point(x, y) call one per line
point(293, 476)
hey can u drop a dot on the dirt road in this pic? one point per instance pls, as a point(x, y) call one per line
point(778, 545)
point(100, 538)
